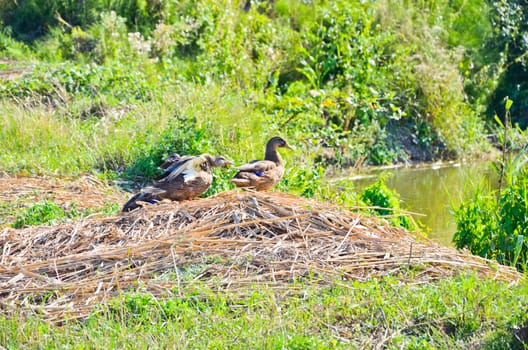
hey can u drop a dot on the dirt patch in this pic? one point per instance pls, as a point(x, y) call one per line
point(234, 239)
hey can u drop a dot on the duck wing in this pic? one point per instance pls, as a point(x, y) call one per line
point(174, 169)
point(195, 168)
point(258, 166)
point(190, 168)
point(173, 158)
point(147, 194)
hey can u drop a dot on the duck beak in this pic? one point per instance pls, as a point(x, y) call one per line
point(290, 147)
point(229, 163)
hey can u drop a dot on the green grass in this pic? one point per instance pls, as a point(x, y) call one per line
point(38, 139)
point(339, 75)
point(457, 312)
point(48, 212)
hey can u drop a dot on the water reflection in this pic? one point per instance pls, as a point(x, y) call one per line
point(431, 190)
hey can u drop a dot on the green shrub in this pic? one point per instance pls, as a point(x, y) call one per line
point(386, 203)
point(510, 44)
point(181, 135)
point(439, 33)
point(11, 48)
point(477, 223)
point(352, 70)
point(494, 224)
point(32, 19)
point(305, 182)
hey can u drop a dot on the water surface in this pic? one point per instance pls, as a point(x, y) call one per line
point(432, 190)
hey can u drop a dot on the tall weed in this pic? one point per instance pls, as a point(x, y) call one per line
point(494, 225)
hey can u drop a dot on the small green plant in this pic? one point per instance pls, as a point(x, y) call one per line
point(306, 182)
point(181, 136)
point(40, 213)
point(386, 203)
point(50, 212)
point(495, 224)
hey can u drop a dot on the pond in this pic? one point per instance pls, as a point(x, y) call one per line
point(432, 190)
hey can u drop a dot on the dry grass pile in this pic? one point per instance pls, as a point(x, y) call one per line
point(236, 238)
point(85, 192)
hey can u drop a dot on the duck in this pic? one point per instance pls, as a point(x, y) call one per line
point(262, 175)
point(184, 178)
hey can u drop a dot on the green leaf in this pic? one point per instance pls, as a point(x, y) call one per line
point(518, 248)
point(497, 119)
point(508, 104)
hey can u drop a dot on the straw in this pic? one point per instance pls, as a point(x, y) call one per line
point(237, 238)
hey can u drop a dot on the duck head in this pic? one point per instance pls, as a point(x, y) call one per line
point(218, 161)
point(276, 142)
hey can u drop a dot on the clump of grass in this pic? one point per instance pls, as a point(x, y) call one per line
point(40, 213)
point(49, 212)
point(387, 203)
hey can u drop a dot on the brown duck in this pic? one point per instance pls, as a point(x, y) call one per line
point(184, 178)
point(262, 175)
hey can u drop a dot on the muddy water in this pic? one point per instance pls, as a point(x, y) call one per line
point(432, 190)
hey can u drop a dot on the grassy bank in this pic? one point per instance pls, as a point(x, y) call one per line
point(109, 88)
point(457, 312)
point(236, 271)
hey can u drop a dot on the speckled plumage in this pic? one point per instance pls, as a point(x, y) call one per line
point(262, 175)
point(184, 178)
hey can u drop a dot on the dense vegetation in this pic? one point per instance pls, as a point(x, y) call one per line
point(494, 223)
point(113, 86)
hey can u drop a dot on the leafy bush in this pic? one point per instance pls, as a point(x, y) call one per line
point(510, 40)
point(443, 36)
point(306, 182)
point(386, 203)
point(11, 48)
point(181, 136)
point(32, 19)
point(494, 224)
point(350, 72)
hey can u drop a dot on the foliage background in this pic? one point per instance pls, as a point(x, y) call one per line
point(115, 85)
